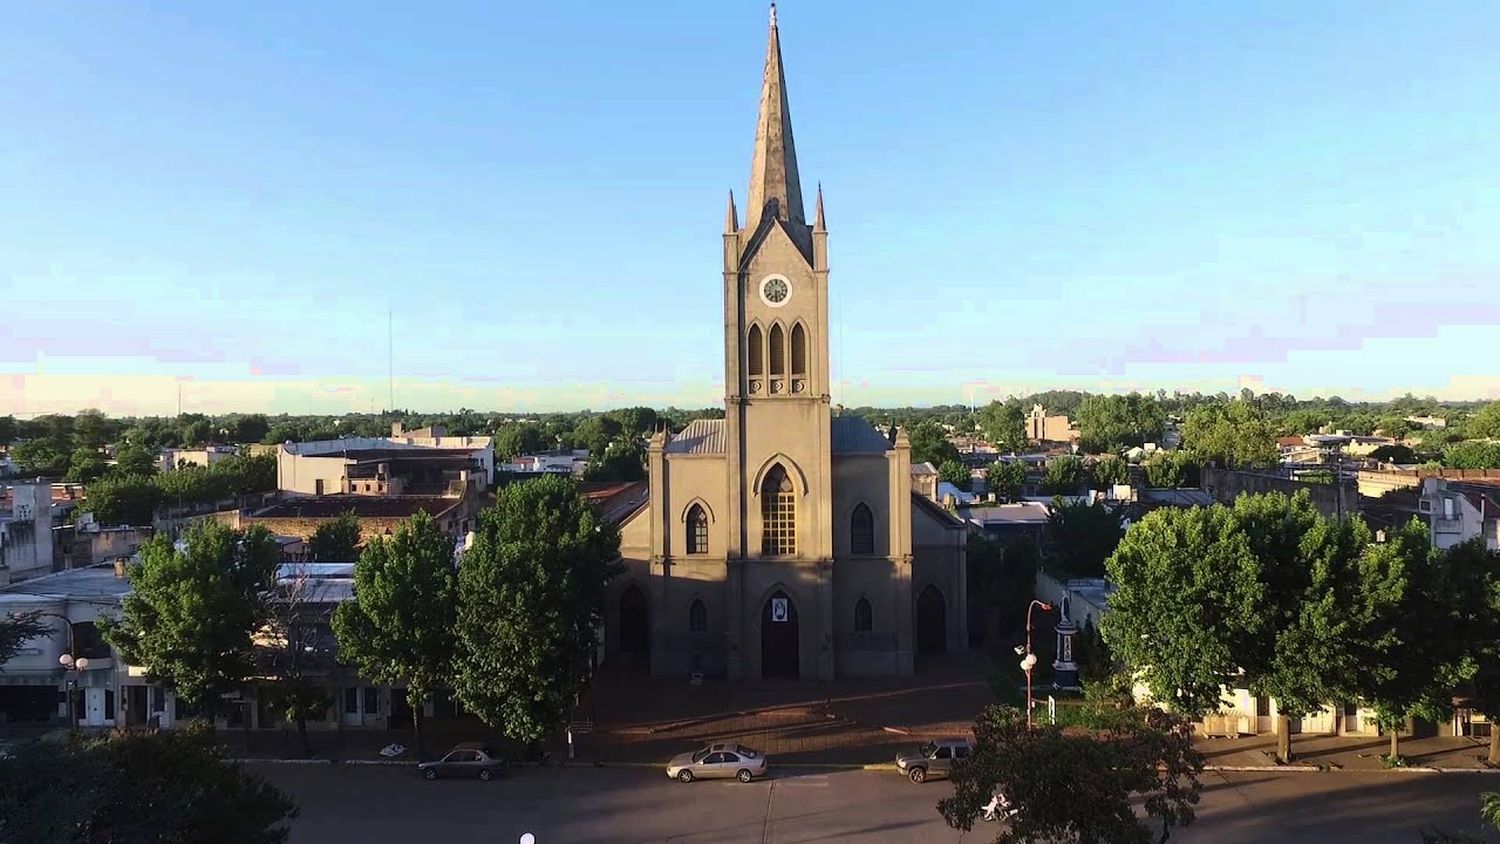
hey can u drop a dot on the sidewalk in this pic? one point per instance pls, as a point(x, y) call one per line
point(1346, 753)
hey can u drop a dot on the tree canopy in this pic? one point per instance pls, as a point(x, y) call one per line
point(954, 473)
point(400, 627)
point(1109, 423)
point(190, 615)
point(1006, 479)
point(337, 540)
point(531, 594)
point(1064, 475)
point(16, 629)
point(1004, 425)
point(1082, 536)
point(1235, 434)
point(929, 443)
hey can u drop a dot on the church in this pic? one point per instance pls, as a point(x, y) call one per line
point(783, 541)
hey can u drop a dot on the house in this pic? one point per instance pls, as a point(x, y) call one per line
point(26, 537)
point(169, 459)
point(396, 465)
point(1459, 510)
point(1009, 522)
point(563, 461)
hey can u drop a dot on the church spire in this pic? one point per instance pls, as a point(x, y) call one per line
point(818, 224)
point(773, 168)
point(731, 217)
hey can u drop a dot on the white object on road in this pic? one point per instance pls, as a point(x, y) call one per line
point(392, 749)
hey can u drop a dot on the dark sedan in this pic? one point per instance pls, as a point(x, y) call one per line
point(466, 760)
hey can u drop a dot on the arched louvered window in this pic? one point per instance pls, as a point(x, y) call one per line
point(799, 350)
point(755, 348)
point(778, 350)
point(698, 617)
point(862, 530)
point(778, 514)
point(697, 530)
point(863, 619)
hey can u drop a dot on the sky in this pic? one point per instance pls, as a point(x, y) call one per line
point(233, 206)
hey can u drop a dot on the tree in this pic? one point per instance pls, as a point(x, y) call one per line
point(1235, 435)
point(596, 433)
point(1485, 423)
point(41, 457)
point(1079, 789)
point(190, 615)
point(514, 440)
point(1394, 454)
point(1063, 476)
point(85, 465)
point(1113, 422)
point(1084, 535)
point(1109, 471)
point(93, 430)
point(531, 596)
point(635, 420)
point(291, 645)
point(136, 460)
point(9, 430)
point(123, 500)
point(929, 443)
point(196, 429)
point(16, 629)
point(1006, 478)
point(284, 432)
point(251, 428)
point(1004, 425)
point(137, 787)
point(1472, 454)
point(955, 473)
point(1189, 603)
point(336, 541)
point(1474, 577)
point(624, 459)
point(1171, 470)
point(399, 629)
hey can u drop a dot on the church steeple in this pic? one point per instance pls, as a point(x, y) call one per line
point(773, 168)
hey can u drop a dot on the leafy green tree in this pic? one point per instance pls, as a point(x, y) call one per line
point(955, 473)
point(1188, 605)
point(190, 615)
point(1472, 575)
point(531, 596)
point(400, 627)
point(9, 430)
point(93, 430)
point(1108, 471)
point(196, 429)
point(1394, 454)
point(1004, 425)
point(170, 786)
point(929, 443)
point(624, 459)
point(1485, 424)
point(123, 500)
point(40, 457)
point(283, 432)
point(1083, 536)
point(1235, 435)
point(1112, 422)
point(1171, 470)
point(251, 428)
point(639, 421)
point(1079, 789)
point(596, 433)
point(514, 440)
point(336, 541)
point(1063, 476)
point(86, 465)
point(1472, 454)
point(135, 460)
point(16, 629)
point(1006, 479)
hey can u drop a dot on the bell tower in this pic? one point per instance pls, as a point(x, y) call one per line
point(776, 378)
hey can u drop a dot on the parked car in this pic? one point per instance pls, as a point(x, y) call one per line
point(721, 759)
point(471, 759)
point(933, 759)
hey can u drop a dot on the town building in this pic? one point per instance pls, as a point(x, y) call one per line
point(1049, 429)
point(26, 546)
point(783, 541)
point(1459, 510)
point(401, 464)
point(169, 459)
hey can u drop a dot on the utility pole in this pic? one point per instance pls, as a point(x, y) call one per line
point(390, 356)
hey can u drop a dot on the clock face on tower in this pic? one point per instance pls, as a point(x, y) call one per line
point(775, 290)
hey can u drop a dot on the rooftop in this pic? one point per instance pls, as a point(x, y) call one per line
point(93, 583)
point(1026, 513)
point(701, 436)
point(855, 435)
point(364, 506)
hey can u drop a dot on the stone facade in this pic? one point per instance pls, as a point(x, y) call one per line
point(781, 541)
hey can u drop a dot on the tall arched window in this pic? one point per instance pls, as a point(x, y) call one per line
point(755, 348)
point(799, 350)
point(698, 617)
point(697, 530)
point(863, 619)
point(778, 514)
point(778, 350)
point(862, 530)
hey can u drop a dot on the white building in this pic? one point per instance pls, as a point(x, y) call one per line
point(169, 459)
point(1460, 510)
point(26, 547)
point(395, 465)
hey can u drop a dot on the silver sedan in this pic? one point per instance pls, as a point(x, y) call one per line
point(718, 761)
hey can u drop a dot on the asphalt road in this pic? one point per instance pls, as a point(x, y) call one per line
point(374, 805)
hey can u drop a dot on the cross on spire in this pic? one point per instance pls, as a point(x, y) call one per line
point(774, 185)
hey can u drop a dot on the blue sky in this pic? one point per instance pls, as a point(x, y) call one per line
point(224, 199)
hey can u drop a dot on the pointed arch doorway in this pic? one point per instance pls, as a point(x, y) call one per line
point(635, 627)
point(779, 640)
point(932, 622)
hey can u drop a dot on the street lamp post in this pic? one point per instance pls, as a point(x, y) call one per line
point(1028, 662)
point(71, 664)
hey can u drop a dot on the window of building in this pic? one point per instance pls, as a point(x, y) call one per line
point(863, 618)
point(755, 346)
point(1447, 508)
point(778, 514)
point(778, 350)
point(799, 350)
point(698, 617)
point(697, 530)
point(862, 530)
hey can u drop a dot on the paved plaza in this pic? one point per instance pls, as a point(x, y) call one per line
point(578, 805)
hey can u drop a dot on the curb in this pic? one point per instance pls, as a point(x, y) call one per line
point(1304, 769)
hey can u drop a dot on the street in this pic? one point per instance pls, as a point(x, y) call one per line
point(373, 805)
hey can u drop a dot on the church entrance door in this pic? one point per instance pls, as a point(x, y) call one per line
point(932, 622)
point(778, 639)
point(635, 625)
